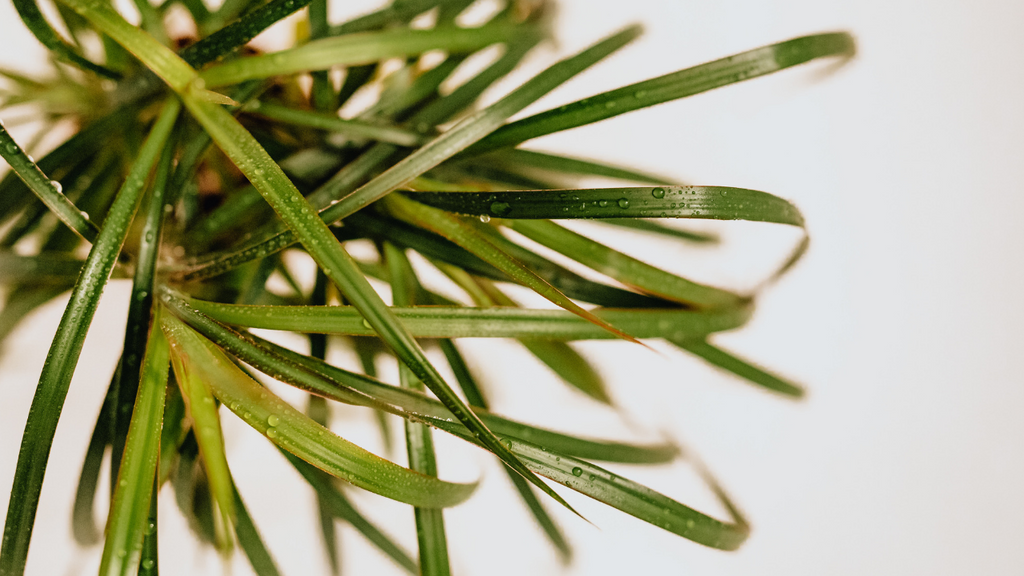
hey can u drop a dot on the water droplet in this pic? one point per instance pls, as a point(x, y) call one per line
point(147, 564)
point(603, 203)
point(199, 83)
point(485, 218)
point(271, 433)
point(611, 104)
point(577, 471)
point(623, 203)
point(151, 528)
point(273, 420)
point(150, 236)
point(123, 482)
point(724, 192)
point(122, 553)
point(658, 192)
point(234, 406)
point(57, 186)
point(593, 477)
point(500, 208)
point(367, 324)
point(141, 295)
point(639, 94)
point(12, 148)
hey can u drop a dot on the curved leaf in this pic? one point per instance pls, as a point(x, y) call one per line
point(296, 433)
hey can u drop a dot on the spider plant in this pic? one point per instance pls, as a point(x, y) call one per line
point(209, 173)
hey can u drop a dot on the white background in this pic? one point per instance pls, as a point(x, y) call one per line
point(904, 320)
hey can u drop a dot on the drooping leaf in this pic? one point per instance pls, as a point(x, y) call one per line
point(296, 433)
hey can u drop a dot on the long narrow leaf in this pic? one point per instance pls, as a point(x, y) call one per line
point(129, 512)
point(33, 18)
point(736, 68)
point(738, 366)
point(360, 48)
point(625, 269)
point(465, 236)
point(49, 191)
point(476, 399)
point(498, 322)
point(339, 505)
point(292, 431)
point(66, 348)
point(227, 39)
point(251, 542)
point(433, 543)
point(140, 306)
point(203, 413)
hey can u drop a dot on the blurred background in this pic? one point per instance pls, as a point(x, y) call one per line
point(904, 320)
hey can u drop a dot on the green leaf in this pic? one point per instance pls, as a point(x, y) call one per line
point(437, 248)
point(358, 48)
point(433, 543)
point(656, 228)
point(559, 164)
point(296, 433)
point(635, 499)
point(339, 506)
point(129, 512)
point(250, 540)
point(336, 263)
point(66, 348)
point(30, 14)
point(466, 236)
point(83, 521)
point(341, 385)
point(701, 202)
point(330, 121)
point(49, 191)
point(730, 70)
point(717, 357)
point(470, 130)
point(239, 32)
point(140, 307)
point(625, 269)
point(202, 408)
point(150, 553)
point(498, 322)
point(476, 399)
point(157, 57)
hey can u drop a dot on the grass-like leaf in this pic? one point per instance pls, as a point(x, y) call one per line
point(331, 122)
point(340, 506)
point(468, 238)
point(49, 191)
point(625, 269)
point(193, 381)
point(718, 357)
point(33, 18)
point(476, 399)
point(360, 48)
point(497, 322)
point(296, 433)
point(433, 543)
point(729, 70)
point(129, 512)
point(66, 348)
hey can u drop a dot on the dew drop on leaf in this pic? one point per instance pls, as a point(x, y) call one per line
point(623, 203)
point(658, 192)
point(577, 471)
